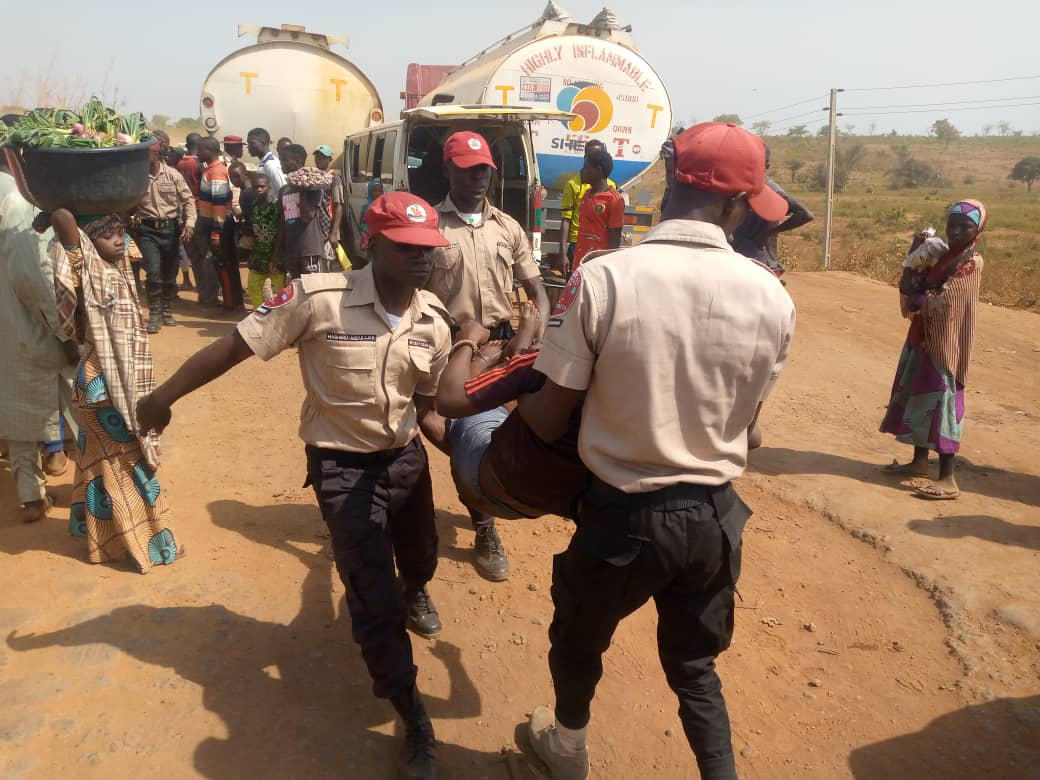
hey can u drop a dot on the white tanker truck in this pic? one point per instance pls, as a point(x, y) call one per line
point(292, 84)
point(592, 70)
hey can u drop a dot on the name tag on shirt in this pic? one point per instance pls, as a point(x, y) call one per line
point(348, 337)
point(419, 343)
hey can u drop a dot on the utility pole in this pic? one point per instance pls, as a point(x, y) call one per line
point(829, 206)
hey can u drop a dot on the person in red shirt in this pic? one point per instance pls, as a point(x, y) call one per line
point(602, 211)
point(189, 166)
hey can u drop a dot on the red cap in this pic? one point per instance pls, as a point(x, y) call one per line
point(404, 219)
point(727, 159)
point(467, 149)
point(232, 139)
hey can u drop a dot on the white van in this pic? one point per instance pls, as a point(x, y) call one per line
point(408, 155)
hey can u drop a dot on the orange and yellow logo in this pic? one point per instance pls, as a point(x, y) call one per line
point(592, 105)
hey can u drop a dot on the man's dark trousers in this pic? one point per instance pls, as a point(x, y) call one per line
point(680, 546)
point(379, 509)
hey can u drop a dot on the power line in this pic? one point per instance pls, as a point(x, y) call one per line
point(796, 116)
point(778, 130)
point(944, 84)
point(946, 103)
point(938, 110)
point(789, 105)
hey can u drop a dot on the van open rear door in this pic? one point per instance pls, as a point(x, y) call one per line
point(529, 213)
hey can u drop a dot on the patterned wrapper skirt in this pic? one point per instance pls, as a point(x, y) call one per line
point(116, 503)
point(927, 405)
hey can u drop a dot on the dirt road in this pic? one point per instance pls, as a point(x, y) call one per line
point(237, 662)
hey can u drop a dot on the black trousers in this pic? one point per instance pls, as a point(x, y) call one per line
point(227, 266)
point(681, 547)
point(379, 508)
point(160, 252)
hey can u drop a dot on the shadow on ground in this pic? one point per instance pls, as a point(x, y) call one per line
point(972, 478)
point(295, 698)
point(987, 527)
point(999, 739)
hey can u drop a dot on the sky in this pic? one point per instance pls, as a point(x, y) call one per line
point(750, 57)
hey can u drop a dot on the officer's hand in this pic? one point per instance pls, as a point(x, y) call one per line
point(71, 350)
point(41, 222)
point(187, 234)
point(474, 331)
point(153, 414)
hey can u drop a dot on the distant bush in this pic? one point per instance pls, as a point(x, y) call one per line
point(893, 216)
point(911, 173)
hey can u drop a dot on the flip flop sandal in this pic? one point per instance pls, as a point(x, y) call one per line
point(933, 493)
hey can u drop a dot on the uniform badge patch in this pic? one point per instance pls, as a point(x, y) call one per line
point(567, 298)
point(280, 299)
point(600, 208)
point(420, 343)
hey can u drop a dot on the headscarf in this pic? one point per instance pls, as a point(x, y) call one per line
point(95, 226)
point(947, 265)
point(371, 187)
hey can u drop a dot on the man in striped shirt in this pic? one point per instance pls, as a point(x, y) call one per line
point(214, 204)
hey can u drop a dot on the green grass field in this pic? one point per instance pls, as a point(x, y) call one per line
point(874, 223)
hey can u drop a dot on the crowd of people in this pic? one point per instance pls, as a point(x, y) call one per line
point(629, 407)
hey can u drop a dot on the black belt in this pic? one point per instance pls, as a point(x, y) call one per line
point(160, 224)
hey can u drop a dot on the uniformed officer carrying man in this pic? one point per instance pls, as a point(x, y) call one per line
point(673, 345)
point(487, 250)
point(372, 345)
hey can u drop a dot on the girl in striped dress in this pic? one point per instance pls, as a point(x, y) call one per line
point(927, 404)
point(117, 506)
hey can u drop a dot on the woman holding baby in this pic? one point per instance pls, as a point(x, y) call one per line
point(940, 298)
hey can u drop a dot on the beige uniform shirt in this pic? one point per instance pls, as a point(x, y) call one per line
point(677, 340)
point(168, 197)
point(359, 373)
point(474, 275)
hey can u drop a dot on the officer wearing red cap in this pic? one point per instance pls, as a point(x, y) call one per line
point(487, 250)
point(672, 345)
point(365, 458)
point(233, 149)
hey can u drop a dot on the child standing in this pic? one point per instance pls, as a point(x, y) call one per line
point(602, 212)
point(263, 224)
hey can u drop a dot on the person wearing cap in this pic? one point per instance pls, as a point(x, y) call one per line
point(163, 220)
point(365, 458)
point(323, 162)
point(487, 250)
point(233, 149)
point(698, 334)
point(757, 238)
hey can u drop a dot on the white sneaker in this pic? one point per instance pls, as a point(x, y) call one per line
point(546, 743)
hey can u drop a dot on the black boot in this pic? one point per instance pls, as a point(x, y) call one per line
point(419, 761)
point(154, 310)
point(422, 614)
point(492, 562)
point(167, 305)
